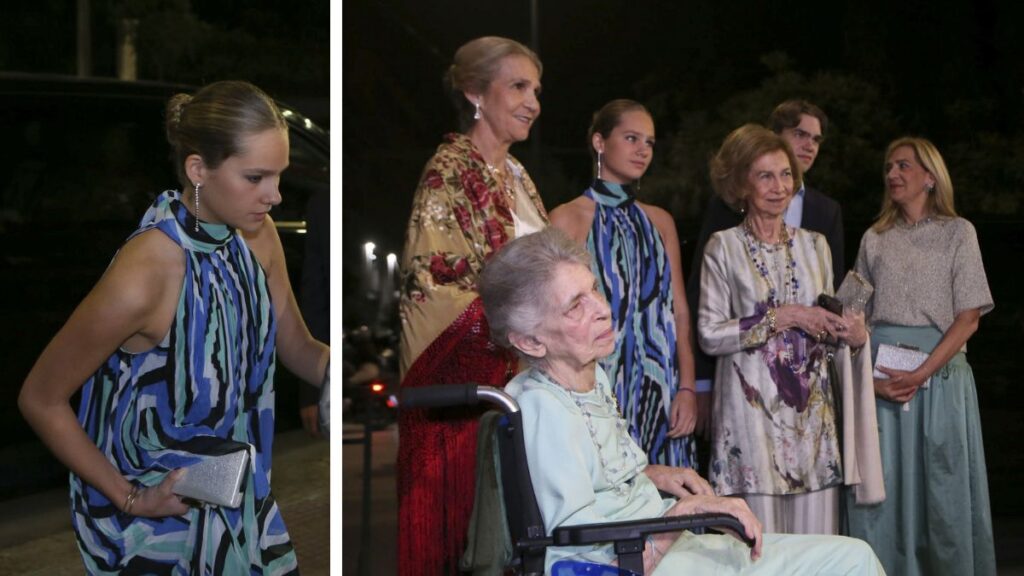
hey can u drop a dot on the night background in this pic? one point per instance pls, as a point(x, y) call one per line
point(83, 87)
point(277, 46)
point(947, 70)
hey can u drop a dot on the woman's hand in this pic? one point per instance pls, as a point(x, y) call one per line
point(815, 321)
point(735, 507)
point(158, 501)
point(679, 482)
point(855, 334)
point(310, 416)
point(682, 415)
point(900, 386)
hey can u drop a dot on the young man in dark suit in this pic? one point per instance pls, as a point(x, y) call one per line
point(803, 125)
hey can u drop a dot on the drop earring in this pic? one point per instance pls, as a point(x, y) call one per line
point(195, 197)
point(598, 165)
point(477, 115)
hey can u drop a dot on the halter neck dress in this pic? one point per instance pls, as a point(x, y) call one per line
point(632, 268)
point(209, 380)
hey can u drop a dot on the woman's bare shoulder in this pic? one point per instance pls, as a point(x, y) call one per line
point(574, 218)
point(265, 243)
point(150, 251)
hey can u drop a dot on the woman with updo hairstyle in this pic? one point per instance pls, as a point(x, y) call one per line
point(635, 258)
point(783, 362)
point(174, 350)
point(472, 198)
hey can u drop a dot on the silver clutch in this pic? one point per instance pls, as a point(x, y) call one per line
point(216, 479)
point(899, 358)
point(854, 292)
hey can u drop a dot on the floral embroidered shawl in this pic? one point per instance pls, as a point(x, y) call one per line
point(459, 217)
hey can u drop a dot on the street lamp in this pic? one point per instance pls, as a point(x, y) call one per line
point(372, 280)
point(392, 282)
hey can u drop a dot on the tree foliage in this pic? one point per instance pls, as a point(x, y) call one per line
point(987, 168)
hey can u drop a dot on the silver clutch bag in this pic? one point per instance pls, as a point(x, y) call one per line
point(854, 292)
point(217, 479)
point(899, 358)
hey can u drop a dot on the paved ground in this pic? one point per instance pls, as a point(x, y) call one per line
point(36, 537)
point(380, 552)
point(378, 556)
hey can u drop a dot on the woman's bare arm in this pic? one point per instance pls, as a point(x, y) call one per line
point(132, 305)
point(303, 355)
point(683, 415)
point(574, 218)
point(901, 386)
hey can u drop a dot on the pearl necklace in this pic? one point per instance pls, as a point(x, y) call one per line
point(622, 435)
point(760, 260)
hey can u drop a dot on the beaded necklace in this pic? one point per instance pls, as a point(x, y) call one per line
point(622, 435)
point(759, 257)
point(502, 177)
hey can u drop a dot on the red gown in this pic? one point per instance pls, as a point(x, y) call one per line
point(460, 216)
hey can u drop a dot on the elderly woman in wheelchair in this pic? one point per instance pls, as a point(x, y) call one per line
point(541, 299)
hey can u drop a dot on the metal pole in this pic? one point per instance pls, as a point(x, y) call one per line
point(84, 55)
point(364, 537)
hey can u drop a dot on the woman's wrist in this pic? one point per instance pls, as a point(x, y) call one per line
point(130, 499)
point(787, 316)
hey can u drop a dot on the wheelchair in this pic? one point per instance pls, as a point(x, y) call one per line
point(529, 537)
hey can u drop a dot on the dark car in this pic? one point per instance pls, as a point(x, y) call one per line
point(80, 161)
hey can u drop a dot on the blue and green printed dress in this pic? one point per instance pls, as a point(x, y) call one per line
point(632, 268)
point(210, 379)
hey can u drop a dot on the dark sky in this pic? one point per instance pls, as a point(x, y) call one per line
point(924, 57)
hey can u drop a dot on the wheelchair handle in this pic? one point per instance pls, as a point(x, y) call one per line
point(444, 395)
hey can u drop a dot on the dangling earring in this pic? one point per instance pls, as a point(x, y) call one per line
point(598, 165)
point(477, 115)
point(195, 197)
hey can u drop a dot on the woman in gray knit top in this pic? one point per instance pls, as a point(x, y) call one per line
point(930, 291)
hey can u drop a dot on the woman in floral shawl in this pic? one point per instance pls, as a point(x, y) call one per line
point(473, 197)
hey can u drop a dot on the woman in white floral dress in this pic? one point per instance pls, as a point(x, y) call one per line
point(774, 438)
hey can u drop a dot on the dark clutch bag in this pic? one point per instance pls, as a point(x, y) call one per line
point(834, 306)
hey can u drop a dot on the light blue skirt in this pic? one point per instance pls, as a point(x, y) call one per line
point(936, 517)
